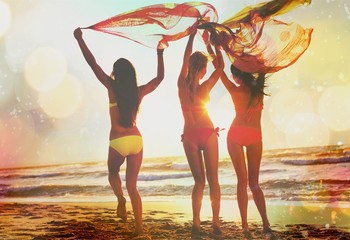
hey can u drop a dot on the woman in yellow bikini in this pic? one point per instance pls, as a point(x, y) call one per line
point(199, 133)
point(125, 139)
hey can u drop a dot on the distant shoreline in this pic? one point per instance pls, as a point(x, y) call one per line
point(267, 153)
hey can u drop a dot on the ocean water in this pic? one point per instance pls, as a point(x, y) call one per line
point(317, 174)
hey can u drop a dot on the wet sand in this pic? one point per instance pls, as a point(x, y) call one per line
point(162, 220)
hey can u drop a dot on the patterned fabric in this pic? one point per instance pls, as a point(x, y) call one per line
point(156, 25)
point(264, 10)
point(255, 42)
point(252, 39)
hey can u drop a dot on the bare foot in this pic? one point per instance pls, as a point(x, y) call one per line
point(268, 230)
point(247, 234)
point(269, 234)
point(121, 209)
point(137, 232)
point(196, 230)
point(217, 230)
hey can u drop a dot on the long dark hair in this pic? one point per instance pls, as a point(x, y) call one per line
point(254, 81)
point(126, 91)
point(198, 60)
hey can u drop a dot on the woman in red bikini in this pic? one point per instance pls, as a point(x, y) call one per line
point(199, 135)
point(247, 95)
point(125, 139)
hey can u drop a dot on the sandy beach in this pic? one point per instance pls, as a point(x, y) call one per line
point(307, 197)
point(55, 119)
point(163, 220)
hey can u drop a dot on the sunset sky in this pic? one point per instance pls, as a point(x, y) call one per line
point(54, 110)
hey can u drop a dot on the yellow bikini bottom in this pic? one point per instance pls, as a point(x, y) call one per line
point(127, 145)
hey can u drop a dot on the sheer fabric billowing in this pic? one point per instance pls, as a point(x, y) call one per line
point(253, 40)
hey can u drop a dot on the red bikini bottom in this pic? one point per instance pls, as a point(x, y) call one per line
point(244, 136)
point(198, 136)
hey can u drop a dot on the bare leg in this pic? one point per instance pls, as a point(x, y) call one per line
point(194, 158)
point(211, 159)
point(237, 156)
point(254, 154)
point(115, 160)
point(132, 172)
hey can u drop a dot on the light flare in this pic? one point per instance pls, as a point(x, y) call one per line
point(63, 100)
point(334, 107)
point(45, 68)
point(221, 111)
point(287, 104)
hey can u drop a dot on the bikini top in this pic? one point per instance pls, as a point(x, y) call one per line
point(241, 102)
point(252, 108)
point(113, 104)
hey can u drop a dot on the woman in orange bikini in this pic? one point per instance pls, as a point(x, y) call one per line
point(245, 131)
point(199, 133)
point(125, 139)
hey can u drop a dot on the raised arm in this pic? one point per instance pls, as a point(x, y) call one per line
point(90, 59)
point(209, 48)
point(214, 77)
point(154, 83)
point(187, 54)
point(225, 80)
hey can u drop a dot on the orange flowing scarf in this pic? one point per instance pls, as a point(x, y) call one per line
point(156, 25)
point(252, 39)
point(255, 42)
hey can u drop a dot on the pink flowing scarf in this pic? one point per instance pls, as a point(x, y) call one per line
point(252, 39)
point(156, 25)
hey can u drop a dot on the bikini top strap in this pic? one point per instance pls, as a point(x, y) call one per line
point(113, 104)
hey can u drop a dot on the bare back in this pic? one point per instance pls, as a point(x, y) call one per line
point(246, 115)
point(117, 130)
point(194, 110)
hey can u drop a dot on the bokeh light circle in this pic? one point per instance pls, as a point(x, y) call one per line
point(334, 107)
point(45, 68)
point(63, 100)
point(305, 130)
point(286, 104)
point(5, 18)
